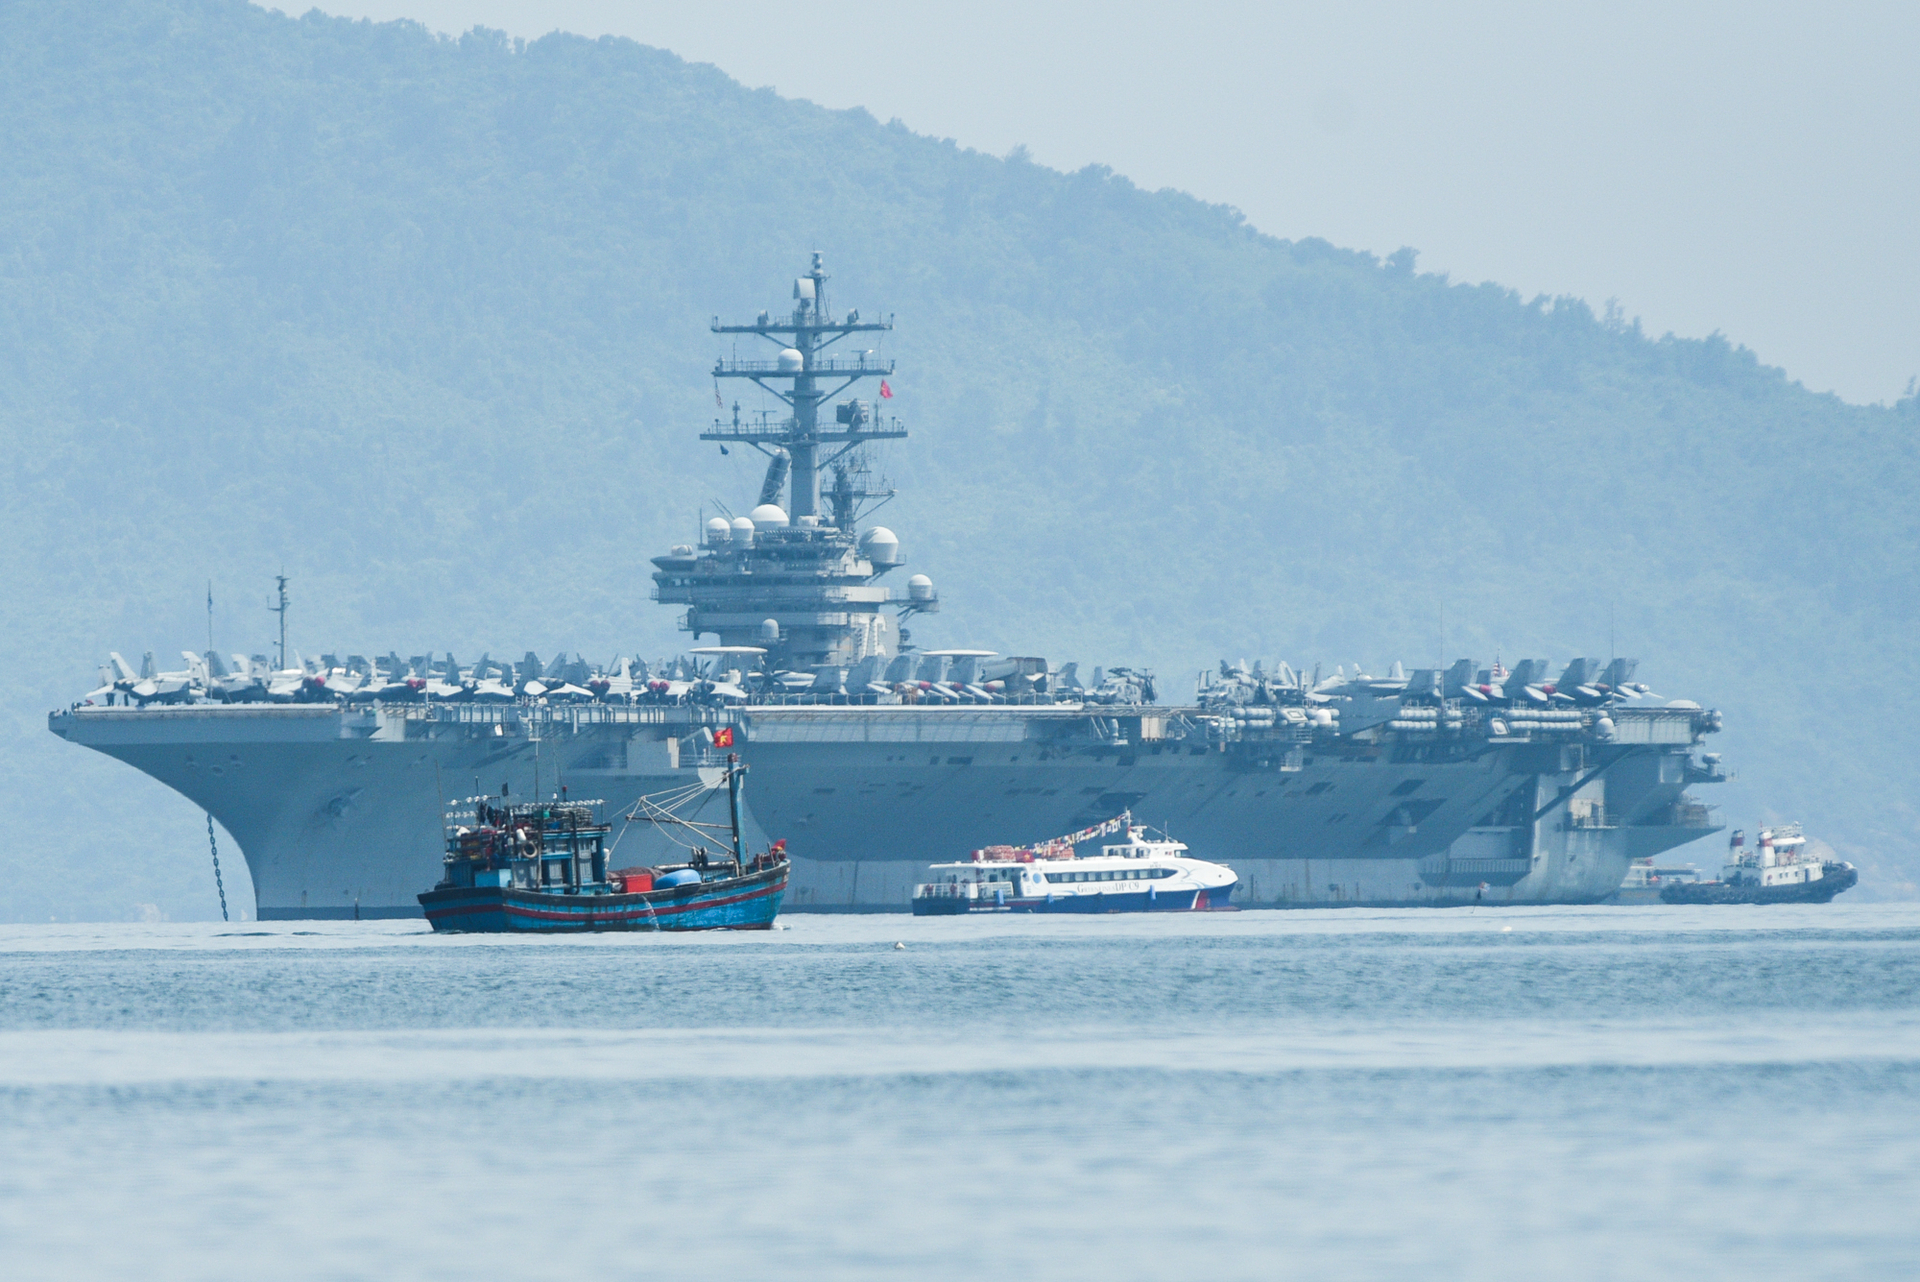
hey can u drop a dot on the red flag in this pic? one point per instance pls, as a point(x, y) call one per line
point(886, 393)
point(723, 737)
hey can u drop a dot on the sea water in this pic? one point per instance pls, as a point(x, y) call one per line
point(1467, 1093)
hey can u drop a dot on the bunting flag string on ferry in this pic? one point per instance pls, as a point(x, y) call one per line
point(1059, 847)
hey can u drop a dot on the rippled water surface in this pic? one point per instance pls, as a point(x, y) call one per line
point(1577, 1093)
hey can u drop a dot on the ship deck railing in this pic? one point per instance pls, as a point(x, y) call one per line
point(821, 365)
point(570, 716)
point(833, 699)
point(961, 889)
point(595, 712)
point(1596, 821)
point(804, 597)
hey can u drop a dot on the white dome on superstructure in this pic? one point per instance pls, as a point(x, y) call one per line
point(768, 516)
point(718, 531)
point(920, 588)
point(880, 546)
point(742, 532)
point(791, 361)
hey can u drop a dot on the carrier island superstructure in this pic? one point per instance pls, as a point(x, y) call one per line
point(875, 757)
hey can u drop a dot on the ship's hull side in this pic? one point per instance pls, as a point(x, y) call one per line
point(739, 903)
point(1210, 899)
point(339, 821)
point(1836, 878)
point(338, 813)
point(1340, 825)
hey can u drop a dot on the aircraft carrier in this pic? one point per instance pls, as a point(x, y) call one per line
point(873, 756)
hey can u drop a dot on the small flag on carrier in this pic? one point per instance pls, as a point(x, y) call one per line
point(886, 393)
point(723, 737)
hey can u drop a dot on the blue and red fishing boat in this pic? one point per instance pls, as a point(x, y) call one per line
point(542, 867)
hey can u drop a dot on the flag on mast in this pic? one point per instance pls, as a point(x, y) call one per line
point(886, 393)
point(718, 400)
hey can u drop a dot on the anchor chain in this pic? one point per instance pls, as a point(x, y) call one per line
point(218, 884)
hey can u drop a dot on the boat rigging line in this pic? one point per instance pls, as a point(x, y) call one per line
point(661, 809)
point(662, 813)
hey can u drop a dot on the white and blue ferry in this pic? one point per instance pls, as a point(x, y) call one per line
point(1147, 872)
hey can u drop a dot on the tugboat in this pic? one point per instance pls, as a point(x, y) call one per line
point(1144, 873)
point(1780, 870)
point(542, 867)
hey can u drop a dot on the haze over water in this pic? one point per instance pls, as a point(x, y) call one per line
point(1465, 1093)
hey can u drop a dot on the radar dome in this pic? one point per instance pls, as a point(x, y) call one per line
point(880, 546)
point(718, 531)
point(742, 532)
point(920, 588)
point(791, 361)
point(769, 517)
point(769, 630)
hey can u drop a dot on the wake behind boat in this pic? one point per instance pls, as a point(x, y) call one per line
point(1144, 873)
point(542, 867)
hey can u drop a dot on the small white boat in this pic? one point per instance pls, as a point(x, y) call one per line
point(1645, 880)
point(1144, 873)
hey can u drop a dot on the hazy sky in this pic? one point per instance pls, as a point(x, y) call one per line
point(1750, 168)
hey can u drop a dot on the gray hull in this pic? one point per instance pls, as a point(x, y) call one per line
point(338, 811)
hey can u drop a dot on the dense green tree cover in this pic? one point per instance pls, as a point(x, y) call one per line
point(424, 322)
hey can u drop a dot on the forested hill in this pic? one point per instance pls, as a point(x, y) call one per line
point(424, 322)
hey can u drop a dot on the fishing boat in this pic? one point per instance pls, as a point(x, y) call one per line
point(542, 867)
point(1145, 872)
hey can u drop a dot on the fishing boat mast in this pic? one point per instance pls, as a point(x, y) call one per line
point(735, 772)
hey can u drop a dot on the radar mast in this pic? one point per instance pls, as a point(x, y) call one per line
point(810, 378)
